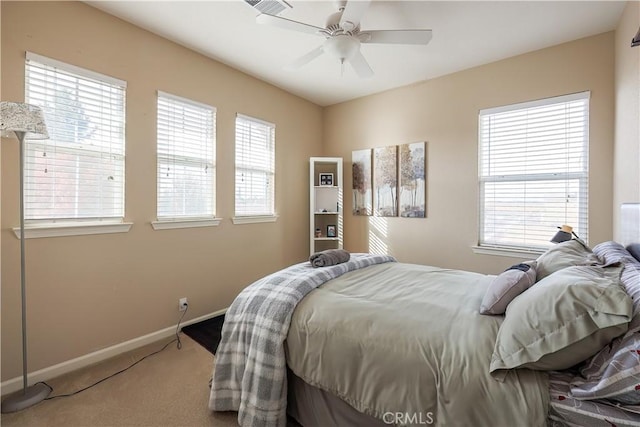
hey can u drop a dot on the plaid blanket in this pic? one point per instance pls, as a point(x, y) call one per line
point(250, 366)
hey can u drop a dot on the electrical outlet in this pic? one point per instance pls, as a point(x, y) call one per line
point(182, 304)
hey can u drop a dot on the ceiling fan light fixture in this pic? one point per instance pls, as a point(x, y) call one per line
point(343, 35)
point(343, 47)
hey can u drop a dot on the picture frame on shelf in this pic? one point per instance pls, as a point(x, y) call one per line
point(325, 179)
point(331, 230)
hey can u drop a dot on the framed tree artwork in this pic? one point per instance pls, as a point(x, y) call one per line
point(362, 191)
point(385, 181)
point(413, 185)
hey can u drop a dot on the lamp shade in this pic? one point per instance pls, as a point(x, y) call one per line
point(563, 234)
point(21, 117)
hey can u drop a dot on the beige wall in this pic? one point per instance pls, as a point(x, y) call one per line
point(627, 125)
point(444, 112)
point(90, 292)
point(87, 293)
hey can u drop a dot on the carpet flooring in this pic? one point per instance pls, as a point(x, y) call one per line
point(206, 333)
point(169, 389)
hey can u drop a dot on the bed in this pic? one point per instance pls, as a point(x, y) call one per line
point(377, 342)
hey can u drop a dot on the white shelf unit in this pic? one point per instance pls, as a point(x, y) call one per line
point(326, 204)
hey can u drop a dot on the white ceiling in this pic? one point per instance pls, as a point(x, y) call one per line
point(465, 34)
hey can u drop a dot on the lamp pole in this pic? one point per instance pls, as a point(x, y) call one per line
point(39, 391)
point(23, 272)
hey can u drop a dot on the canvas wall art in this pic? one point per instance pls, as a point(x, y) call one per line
point(413, 193)
point(385, 181)
point(362, 191)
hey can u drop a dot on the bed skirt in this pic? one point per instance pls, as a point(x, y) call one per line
point(314, 407)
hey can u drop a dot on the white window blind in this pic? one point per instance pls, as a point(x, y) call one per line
point(78, 173)
point(186, 158)
point(255, 167)
point(534, 171)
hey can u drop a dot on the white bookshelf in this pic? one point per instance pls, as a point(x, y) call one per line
point(326, 203)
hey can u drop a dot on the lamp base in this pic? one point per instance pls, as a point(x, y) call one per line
point(29, 397)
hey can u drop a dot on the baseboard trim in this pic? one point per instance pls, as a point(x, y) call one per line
point(15, 384)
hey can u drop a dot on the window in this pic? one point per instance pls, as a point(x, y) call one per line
point(534, 171)
point(186, 159)
point(255, 167)
point(78, 173)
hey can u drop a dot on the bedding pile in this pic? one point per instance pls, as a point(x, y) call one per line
point(611, 377)
point(579, 321)
point(250, 368)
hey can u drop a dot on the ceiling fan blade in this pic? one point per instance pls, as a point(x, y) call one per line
point(361, 66)
point(287, 24)
point(305, 59)
point(353, 13)
point(396, 36)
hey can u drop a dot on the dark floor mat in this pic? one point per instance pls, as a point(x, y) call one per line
point(206, 333)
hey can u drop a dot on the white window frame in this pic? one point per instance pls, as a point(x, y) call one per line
point(486, 246)
point(206, 157)
point(56, 227)
point(244, 217)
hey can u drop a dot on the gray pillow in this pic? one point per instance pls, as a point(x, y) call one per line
point(506, 286)
point(563, 255)
point(634, 250)
point(562, 320)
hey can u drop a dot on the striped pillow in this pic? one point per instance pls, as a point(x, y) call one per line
point(612, 252)
point(565, 410)
point(613, 373)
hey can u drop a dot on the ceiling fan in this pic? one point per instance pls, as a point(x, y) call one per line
point(344, 36)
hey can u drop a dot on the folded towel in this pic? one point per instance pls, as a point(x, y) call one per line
point(329, 257)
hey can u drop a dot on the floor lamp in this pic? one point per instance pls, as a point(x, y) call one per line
point(23, 120)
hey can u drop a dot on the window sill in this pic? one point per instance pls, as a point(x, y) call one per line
point(185, 223)
point(52, 229)
point(507, 252)
point(254, 219)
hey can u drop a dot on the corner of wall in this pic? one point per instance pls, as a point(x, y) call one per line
point(626, 167)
